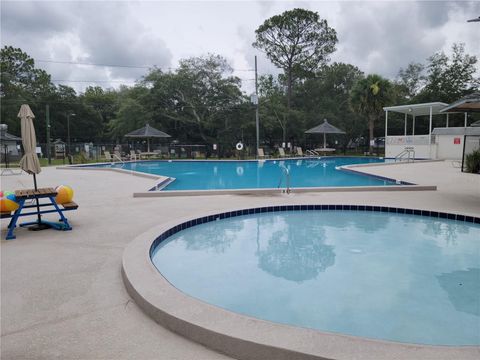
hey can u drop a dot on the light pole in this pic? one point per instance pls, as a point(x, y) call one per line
point(256, 110)
point(47, 119)
point(68, 133)
point(254, 100)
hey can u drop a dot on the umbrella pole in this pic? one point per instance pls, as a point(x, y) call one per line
point(148, 144)
point(324, 140)
point(36, 199)
point(39, 225)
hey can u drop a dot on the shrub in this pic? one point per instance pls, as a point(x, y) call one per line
point(472, 162)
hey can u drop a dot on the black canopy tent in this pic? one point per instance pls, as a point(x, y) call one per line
point(147, 132)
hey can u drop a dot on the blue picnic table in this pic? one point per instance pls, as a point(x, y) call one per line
point(44, 203)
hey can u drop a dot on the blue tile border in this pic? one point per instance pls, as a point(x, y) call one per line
point(277, 208)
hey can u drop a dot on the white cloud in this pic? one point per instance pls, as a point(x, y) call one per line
point(377, 37)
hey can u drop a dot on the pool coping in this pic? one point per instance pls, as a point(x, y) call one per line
point(245, 337)
point(163, 181)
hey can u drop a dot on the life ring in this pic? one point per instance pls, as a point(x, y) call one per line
point(239, 146)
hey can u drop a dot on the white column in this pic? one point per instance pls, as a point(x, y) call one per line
point(466, 117)
point(430, 134)
point(386, 125)
point(447, 120)
point(405, 132)
point(430, 126)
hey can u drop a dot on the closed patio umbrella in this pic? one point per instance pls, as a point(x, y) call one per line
point(325, 128)
point(29, 162)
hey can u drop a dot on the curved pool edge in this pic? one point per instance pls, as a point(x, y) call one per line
point(296, 190)
point(162, 181)
point(245, 337)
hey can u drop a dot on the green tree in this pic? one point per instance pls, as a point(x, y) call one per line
point(21, 82)
point(19, 77)
point(197, 98)
point(105, 103)
point(448, 79)
point(327, 96)
point(298, 42)
point(131, 115)
point(368, 97)
point(272, 108)
point(411, 80)
point(64, 100)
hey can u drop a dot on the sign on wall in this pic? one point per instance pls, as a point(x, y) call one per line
point(456, 141)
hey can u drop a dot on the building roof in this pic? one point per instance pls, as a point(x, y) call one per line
point(417, 109)
point(325, 128)
point(457, 131)
point(4, 136)
point(146, 132)
point(469, 103)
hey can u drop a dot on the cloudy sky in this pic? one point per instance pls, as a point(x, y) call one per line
point(378, 37)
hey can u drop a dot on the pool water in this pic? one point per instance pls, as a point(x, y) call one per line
point(208, 175)
point(388, 276)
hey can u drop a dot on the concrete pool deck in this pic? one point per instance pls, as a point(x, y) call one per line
point(62, 294)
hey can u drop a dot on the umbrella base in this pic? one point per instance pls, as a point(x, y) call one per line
point(36, 226)
point(43, 225)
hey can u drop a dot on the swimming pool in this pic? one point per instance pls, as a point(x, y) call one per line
point(384, 274)
point(210, 175)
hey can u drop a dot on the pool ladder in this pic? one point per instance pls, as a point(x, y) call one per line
point(407, 154)
point(286, 174)
point(116, 157)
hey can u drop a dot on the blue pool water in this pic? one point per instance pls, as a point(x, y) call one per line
point(208, 175)
point(397, 277)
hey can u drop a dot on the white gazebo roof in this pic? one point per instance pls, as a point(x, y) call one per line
point(417, 109)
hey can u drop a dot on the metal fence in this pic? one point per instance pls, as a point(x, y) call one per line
point(79, 152)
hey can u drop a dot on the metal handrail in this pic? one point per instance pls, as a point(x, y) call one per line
point(115, 156)
point(118, 157)
point(285, 172)
point(409, 151)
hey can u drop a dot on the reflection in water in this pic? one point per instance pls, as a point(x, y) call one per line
point(387, 276)
point(211, 238)
point(463, 288)
point(292, 252)
point(447, 231)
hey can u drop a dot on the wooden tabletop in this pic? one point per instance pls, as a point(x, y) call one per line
point(32, 193)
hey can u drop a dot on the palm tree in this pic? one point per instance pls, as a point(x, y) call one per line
point(368, 97)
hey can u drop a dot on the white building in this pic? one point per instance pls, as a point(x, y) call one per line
point(449, 142)
point(418, 146)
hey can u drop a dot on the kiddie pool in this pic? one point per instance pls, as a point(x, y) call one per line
point(335, 273)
